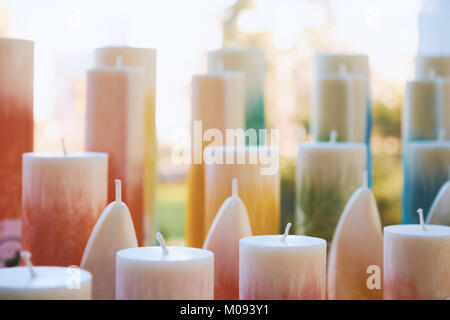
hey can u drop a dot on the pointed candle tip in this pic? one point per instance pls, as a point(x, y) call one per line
point(422, 222)
point(333, 136)
point(118, 190)
point(234, 187)
point(27, 257)
point(162, 243)
point(286, 232)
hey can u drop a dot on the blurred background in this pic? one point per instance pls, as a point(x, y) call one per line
point(291, 31)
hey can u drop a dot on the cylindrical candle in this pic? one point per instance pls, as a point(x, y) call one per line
point(425, 170)
point(164, 273)
point(439, 65)
point(260, 192)
point(416, 262)
point(332, 63)
point(16, 135)
point(252, 62)
point(421, 111)
point(444, 103)
point(218, 102)
point(146, 58)
point(115, 124)
point(63, 196)
point(274, 267)
point(327, 175)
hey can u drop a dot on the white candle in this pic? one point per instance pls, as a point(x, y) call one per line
point(332, 63)
point(439, 65)
point(44, 283)
point(164, 273)
point(444, 103)
point(416, 262)
point(282, 267)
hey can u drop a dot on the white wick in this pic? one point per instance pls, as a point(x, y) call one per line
point(365, 178)
point(118, 190)
point(162, 242)
point(342, 69)
point(234, 188)
point(286, 232)
point(26, 256)
point(333, 136)
point(119, 61)
point(422, 223)
point(63, 144)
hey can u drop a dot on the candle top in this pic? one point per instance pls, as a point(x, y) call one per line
point(428, 144)
point(19, 278)
point(331, 144)
point(276, 241)
point(156, 254)
point(416, 230)
point(220, 74)
point(117, 69)
point(61, 155)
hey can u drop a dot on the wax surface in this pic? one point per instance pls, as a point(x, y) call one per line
point(147, 273)
point(62, 198)
point(270, 268)
point(440, 209)
point(50, 283)
point(416, 262)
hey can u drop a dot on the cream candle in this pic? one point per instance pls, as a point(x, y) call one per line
point(16, 135)
point(260, 192)
point(218, 102)
point(113, 231)
point(164, 273)
point(115, 124)
point(444, 103)
point(440, 65)
point(63, 196)
point(144, 213)
point(44, 283)
point(416, 262)
point(282, 267)
point(440, 209)
point(325, 63)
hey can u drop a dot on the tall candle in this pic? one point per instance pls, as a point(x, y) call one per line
point(252, 62)
point(63, 196)
point(115, 124)
point(327, 175)
point(260, 192)
point(164, 273)
point(218, 101)
point(16, 134)
point(416, 262)
point(444, 103)
point(440, 65)
point(425, 170)
point(144, 217)
point(325, 63)
point(282, 267)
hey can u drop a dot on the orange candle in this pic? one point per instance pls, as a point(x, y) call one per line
point(16, 135)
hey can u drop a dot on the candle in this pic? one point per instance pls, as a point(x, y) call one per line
point(146, 58)
point(421, 111)
point(252, 62)
point(327, 175)
point(444, 103)
point(260, 192)
point(332, 63)
point(63, 196)
point(16, 135)
point(218, 101)
point(440, 65)
point(416, 262)
point(113, 231)
point(230, 225)
point(440, 209)
point(357, 245)
point(282, 267)
point(44, 283)
point(425, 170)
point(115, 124)
point(164, 273)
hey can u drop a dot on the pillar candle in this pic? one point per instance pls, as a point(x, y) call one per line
point(63, 196)
point(259, 192)
point(218, 101)
point(144, 213)
point(115, 124)
point(252, 62)
point(425, 170)
point(327, 175)
point(44, 283)
point(440, 65)
point(282, 267)
point(164, 273)
point(416, 262)
point(16, 135)
point(325, 63)
point(444, 103)
point(421, 110)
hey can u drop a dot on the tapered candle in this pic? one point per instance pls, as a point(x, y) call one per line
point(143, 213)
point(113, 232)
point(63, 196)
point(440, 209)
point(282, 267)
point(164, 273)
point(16, 134)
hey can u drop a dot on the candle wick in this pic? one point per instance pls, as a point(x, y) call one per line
point(234, 187)
point(286, 232)
point(365, 178)
point(63, 144)
point(119, 61)
point(422, 223)
point(333, 136)
point(162, 242)
point(26, 256)
point(118, 190)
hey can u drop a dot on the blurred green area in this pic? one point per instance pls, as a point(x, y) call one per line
point(170, 204)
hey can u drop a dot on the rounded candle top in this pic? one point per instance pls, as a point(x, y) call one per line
point(156, 254)
point(282, 241)
point(416, 230)
point(62, 155)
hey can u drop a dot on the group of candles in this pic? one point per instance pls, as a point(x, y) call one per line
point(234, 249)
